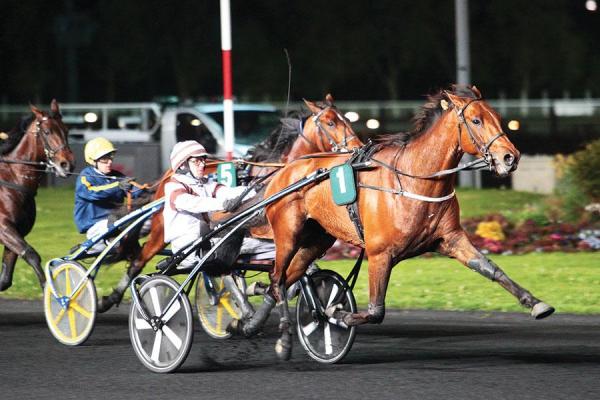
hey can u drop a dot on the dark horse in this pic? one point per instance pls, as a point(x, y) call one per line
point(325, 129)
point(406, 208)
point(39, 141)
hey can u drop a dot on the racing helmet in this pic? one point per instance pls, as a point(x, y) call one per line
point(97, 148)
point(182, 151)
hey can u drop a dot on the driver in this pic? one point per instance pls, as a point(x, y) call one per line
point(99, 189)
point(189, 196)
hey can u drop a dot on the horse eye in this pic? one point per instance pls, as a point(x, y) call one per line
point(331, 123)
point(476, 121)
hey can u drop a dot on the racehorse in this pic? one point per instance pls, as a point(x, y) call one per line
point(326, 129)
point(405, 207)
point(36, 142)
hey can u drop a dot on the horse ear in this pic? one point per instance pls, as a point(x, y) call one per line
point(329, 99)
point(312, 106)
point(54, 108)
point(457, 101)
point(476, 91)
point(38, 113)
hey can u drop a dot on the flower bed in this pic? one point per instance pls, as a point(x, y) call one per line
point(495, 234)
point(529, 236)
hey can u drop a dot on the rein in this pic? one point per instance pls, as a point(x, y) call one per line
point(25, 162)
point(479, 163)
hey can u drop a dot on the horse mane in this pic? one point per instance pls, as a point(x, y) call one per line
point(15, 135)
point(280, 140)
point(426, 116)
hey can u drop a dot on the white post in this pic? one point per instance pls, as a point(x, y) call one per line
point(463, 77)
point(227, 81)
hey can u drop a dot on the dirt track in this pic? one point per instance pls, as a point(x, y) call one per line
point(412, 355)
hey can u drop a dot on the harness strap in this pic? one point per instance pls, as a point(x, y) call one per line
point(359, 158)
point(411, 195)
point(355, 218)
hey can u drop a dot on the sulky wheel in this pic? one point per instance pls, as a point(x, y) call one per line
point(216, 306)
point(70, 316)
point(326, 342)
point(161, 344)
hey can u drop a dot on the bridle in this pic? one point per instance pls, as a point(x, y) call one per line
point(341, 146)
point(49, 151)
point(483, 149)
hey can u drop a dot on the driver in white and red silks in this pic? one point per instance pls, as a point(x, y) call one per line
point(189, 196)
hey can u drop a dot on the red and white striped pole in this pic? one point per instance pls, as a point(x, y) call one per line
point(227, 81)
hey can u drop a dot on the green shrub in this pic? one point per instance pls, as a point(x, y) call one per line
point(578, 184)
point(586, 170)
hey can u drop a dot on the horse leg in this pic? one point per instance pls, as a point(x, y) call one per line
point(9, 258)
point(457, 245)
point(149, 250)
point(283, 346)
point(284, 253)
point(379, 277)
point(240, 297)
point(314, 241)
point(15, 243)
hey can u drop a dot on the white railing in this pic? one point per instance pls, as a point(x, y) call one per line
point(138, 122)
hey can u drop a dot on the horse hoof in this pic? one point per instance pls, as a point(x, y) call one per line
point(238, 328)
point(4, 286)
point(235, 327)
point(283, 348)
point(104, 304)
point(541, 310)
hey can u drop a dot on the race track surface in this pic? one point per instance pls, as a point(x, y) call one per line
point(412, 355)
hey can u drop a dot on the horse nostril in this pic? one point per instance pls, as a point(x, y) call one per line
point(509, 159)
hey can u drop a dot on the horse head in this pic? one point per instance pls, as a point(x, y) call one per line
point(327, 129)
point(52, 139)
point(480, 130)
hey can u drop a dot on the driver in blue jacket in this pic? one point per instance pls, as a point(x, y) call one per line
point(99, 188)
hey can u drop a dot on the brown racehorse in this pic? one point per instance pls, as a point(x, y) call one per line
point(37, 142)
point(405, 211)
point(324, 130)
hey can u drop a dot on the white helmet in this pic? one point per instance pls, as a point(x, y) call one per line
point(182, 151)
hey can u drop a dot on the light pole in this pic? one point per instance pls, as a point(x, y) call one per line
point(463, 77)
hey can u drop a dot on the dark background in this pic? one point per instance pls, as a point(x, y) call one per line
point(134, 50)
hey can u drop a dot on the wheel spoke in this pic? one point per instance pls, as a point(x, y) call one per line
point(173, 338)
point(327, 339)
point(155, 301)
point(80, 309)
point(334, 292)
point(310, 328)
point(171, 311)
point(219, 318)
point(79, 291)
point(142, 324)
point(156, 346)
point(59, 316)
point(227, 305)
point(72, 325)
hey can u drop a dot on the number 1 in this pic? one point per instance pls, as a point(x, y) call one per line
point(341, 179)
